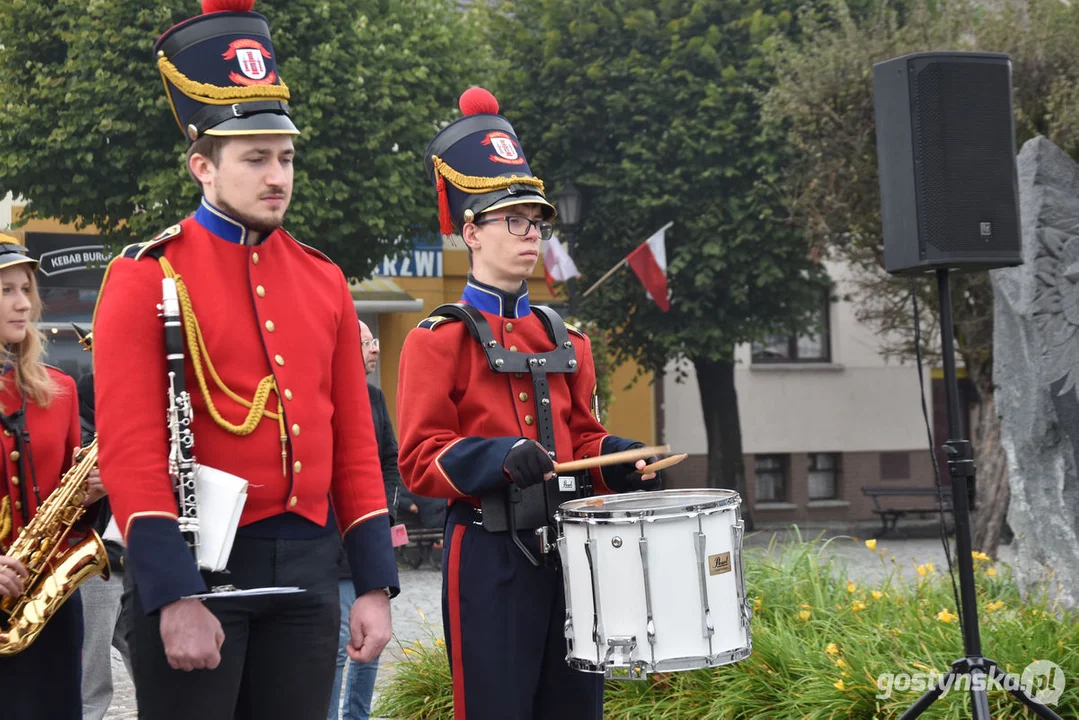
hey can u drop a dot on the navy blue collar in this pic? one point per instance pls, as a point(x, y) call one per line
point(220, 224)
point(496, 302)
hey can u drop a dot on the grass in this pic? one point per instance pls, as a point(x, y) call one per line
point(820, 644)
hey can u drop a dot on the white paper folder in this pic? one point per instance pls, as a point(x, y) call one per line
point(221, 498)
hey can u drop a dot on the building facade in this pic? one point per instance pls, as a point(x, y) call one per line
point(822, 416)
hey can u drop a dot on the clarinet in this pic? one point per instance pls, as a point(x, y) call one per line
point(181, 438)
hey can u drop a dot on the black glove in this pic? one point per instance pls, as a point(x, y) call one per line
point(526, 463)
point(631, 476)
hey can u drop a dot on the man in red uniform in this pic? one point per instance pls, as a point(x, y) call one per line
point(272, 367)
point(481, 421)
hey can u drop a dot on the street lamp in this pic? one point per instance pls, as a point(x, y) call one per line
point(568, 201)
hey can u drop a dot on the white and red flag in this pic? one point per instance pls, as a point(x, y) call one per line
point(649, 262)
point(558, 266)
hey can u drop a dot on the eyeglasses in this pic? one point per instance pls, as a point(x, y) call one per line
point(518, 225)
point(372, 343)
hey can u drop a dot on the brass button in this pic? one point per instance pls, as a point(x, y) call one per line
point(529, 420)
point(523, 396)
point(15, 480)
point(292, 501)
point(18, 504)
point(513, 348)
point(255, 258)
point(288, 394)
point(7, 433)
point(279, 360)
point(297, 466)
point(261, 291)
point(518, 375)
point(509, 327)
point(295, 429)
point(269, 325)
point(14, 456)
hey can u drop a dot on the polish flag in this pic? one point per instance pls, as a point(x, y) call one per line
point(649, 262)
point(558, 266)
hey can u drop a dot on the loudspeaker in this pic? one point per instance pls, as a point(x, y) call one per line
point(946, 155)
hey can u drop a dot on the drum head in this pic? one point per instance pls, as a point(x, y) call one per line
point(657, 503)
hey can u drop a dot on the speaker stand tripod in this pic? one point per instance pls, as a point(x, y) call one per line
point(961, 470)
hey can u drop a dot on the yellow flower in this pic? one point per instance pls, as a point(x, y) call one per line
point(832, 649)
point(757, 602)
point(991, 572)
point(804, 615)
point(851, 587)
point(871, 544)
point(945, 616)
point(409, 651)
point(807, 607)
point(839, 685)
point(440, 642)
point(980, 556)
point(840, 663)
point(877, 594)
point(994, 606)
point(926, 569)
point(858, 605)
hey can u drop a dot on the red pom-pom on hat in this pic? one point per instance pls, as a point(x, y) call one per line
point(476, 101)
point(212, 6)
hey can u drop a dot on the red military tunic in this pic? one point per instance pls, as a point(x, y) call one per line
point(54, 434)
point(458, 418)
point(277, 307)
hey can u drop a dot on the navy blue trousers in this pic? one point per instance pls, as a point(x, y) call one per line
point(44, 681)
point(504, 632)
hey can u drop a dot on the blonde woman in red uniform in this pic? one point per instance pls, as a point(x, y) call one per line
point(37, 403)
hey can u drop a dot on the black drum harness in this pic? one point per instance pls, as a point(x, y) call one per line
point(533, 508)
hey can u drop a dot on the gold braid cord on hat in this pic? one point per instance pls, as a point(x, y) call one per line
point(214, 95)
point(476, 185)
point(256, 406)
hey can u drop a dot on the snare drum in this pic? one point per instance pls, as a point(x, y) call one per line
point(654, 582)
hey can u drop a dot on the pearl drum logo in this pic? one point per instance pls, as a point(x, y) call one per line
point(505, 147)
point(719, 564)
point(251, 57)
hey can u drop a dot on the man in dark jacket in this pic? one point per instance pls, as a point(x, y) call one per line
point(360, 683)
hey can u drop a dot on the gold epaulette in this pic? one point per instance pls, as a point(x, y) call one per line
point(576, 330)
point(430, 323)
point(137, 251)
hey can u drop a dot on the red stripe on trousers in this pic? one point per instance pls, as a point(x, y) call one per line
point(453, 576)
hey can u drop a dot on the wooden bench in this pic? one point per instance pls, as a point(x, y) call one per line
point(890, 515)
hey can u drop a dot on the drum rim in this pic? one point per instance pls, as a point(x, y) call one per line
point(579, 508)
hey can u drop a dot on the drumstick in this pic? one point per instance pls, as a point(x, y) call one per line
point(664, 463)
point(634, 455)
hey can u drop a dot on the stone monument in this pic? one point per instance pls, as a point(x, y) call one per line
point(1036, 370)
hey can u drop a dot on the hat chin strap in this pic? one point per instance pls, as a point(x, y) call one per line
point(211, 116)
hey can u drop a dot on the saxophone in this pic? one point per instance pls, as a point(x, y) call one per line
point(55, 569)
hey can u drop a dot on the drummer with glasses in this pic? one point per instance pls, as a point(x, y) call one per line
point(472, 427)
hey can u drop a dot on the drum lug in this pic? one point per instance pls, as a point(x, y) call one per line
point(620, 651)
point(737, 533)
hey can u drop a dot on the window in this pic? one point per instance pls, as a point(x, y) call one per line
point(771, 478)
point(814, 347)
point(823, 476)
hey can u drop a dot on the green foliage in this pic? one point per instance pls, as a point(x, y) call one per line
point(652, 109)
point(820, 643)
point(600, 337)
point(88, 136)
point(824, 98)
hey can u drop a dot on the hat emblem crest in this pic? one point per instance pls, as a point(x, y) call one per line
point(250, 55)
point(505, 148)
